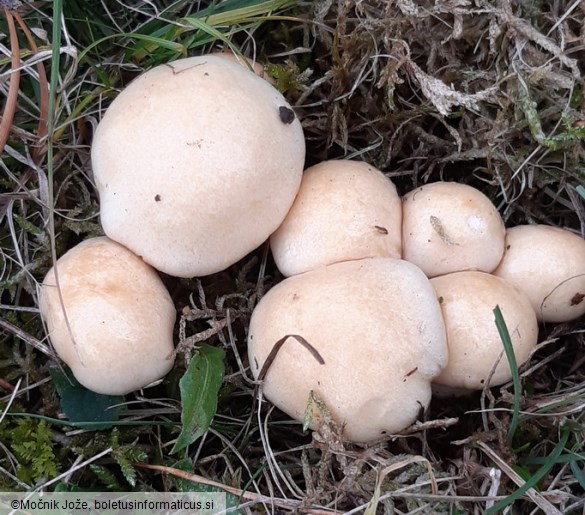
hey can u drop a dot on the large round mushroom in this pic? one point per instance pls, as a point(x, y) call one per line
point(344, 210)
point(548, 264)
point(196, 162)
point(376, 323)
point(450, 227)
point(476, 351)
point(112, 321)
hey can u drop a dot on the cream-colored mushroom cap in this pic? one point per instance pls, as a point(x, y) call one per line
point(117, 335)
point(548, 264)
point(196, 162)
point(256, 66)
point(344, 210)
point(450, 227)
point(468, 300)
point(377, 325)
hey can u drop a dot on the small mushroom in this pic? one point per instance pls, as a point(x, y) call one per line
point(112, 321)
point(376, 324)
point(194, 165)
point(548, 264)
point(468, 300)
point(344, 210)
point(449, 227)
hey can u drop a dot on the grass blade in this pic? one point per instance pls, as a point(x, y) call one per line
point(533, 481)
point(157, 42)
point(509, 350)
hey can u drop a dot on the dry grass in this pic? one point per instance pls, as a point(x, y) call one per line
point(486, 92)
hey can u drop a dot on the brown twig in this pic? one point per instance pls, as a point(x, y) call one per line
point(276, 349)
point(27, 338)
point(42, 126)
point(290, 504)
point(12, 97)
point(6, 385)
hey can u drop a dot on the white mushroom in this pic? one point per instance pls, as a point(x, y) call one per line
point(256, 66)
point(468, 300)
point(450, 227)
point(114, 327)
point(548, 264)
point(196, 162)
point(344, 210)
point(377, 325)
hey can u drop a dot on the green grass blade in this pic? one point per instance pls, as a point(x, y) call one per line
point(157, 42)
point(51, 122)
point(216, 34)
point(564, 458)
point(93, 425)
point(578, 472)
point(509, 350)
point(243, 14)
point(551, 461)
point(231, 16)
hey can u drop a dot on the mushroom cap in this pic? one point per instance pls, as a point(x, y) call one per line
point(449, 227)
point(118, 333)
point(468, 300)
point(256, 66)
point(196, 162)
point(548, 264)
point(344, 210)
point(377, 325)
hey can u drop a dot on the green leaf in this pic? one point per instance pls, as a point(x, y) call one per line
point(199, 389)
point(579, 471)
point(83, 405)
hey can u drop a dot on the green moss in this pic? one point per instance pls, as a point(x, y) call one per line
point(31, 442)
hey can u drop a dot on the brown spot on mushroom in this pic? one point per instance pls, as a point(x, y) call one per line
point(577, 299)
point(411, 372)
point(440, 230)
point(408, 374)
point(286, 115)
point(380, 229)
point(157, 198)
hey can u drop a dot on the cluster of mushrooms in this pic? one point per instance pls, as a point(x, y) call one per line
point(199, 161)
